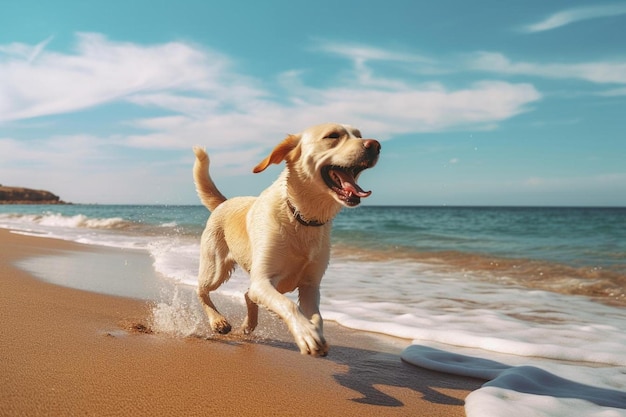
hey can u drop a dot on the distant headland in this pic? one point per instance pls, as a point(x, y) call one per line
point(20, 195)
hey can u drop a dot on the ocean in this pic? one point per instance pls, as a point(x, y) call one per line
point(531, 299)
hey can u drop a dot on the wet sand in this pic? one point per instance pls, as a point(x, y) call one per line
point(66, 351)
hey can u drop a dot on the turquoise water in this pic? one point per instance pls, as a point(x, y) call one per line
point(572, 236)
point(569, 250)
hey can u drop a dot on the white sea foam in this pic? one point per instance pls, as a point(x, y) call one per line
point(541, 389)
point(80, 220)
point(77, 228)
point(55, 220)
point(176, 259)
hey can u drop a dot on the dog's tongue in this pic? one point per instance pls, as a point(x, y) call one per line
point(348, 183)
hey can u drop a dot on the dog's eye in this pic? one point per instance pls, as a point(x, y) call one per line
point(333, 135)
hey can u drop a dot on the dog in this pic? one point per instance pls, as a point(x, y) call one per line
point(282, 237)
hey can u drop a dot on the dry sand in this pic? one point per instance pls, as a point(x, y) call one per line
point(66, 352)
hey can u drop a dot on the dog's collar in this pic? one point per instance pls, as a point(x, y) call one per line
point(300, 219)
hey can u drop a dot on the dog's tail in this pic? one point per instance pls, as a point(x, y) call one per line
point(207, 191)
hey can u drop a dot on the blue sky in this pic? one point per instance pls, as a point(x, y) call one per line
point(475, 103)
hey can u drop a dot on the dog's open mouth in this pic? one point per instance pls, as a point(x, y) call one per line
point(342, 181)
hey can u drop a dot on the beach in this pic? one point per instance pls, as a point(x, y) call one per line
point(73, 352)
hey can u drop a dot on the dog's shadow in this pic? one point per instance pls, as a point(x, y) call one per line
point(367, 370)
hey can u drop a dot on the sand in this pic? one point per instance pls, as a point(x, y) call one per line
point(67, 352)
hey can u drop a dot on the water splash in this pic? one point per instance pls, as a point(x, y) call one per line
point(179, 314)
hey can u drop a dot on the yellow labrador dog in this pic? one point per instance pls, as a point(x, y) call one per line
point(282, 237)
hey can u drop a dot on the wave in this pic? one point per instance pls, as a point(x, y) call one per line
point(59, 220)
point(603, 284)
point(65, 226)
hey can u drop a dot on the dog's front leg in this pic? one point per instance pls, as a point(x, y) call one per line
point(308, 335)
point(309, 297)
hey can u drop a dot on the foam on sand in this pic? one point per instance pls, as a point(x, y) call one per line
point(527, 390)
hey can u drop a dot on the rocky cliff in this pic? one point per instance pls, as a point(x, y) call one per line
point(19, 195)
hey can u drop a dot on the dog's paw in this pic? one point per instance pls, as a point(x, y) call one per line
point(316, 349)
point(221, 326)
point(249, 324)
point(247, 329)
point(310, 340)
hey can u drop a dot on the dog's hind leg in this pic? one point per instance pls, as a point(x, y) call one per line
point(252, 319)
point(215, 269)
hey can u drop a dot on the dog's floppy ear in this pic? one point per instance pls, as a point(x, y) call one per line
point(280, 153)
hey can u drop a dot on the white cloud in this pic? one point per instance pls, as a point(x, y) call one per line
point(360, 55)
point(26, 52)
point(567, 17)
point(596, 72)
point(380, 113)
point(214, 101)
point(380, 106)
point(359, 52)
point(424, 108)
point(36, 82)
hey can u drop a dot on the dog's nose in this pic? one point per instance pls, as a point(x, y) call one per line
point(372, 145)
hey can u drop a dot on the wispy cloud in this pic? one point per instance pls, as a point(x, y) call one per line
point(381, 113)
point(362, 56)
point(37, 82)
point(360, 52)
point(602, 72)
point(569, 16)
point(208, 97)
point(23, 51)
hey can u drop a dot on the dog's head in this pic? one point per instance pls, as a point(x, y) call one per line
point(329, 157)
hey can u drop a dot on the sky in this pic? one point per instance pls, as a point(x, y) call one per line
point(486, 102)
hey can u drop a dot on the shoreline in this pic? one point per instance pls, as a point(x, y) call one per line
point(67, 352)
